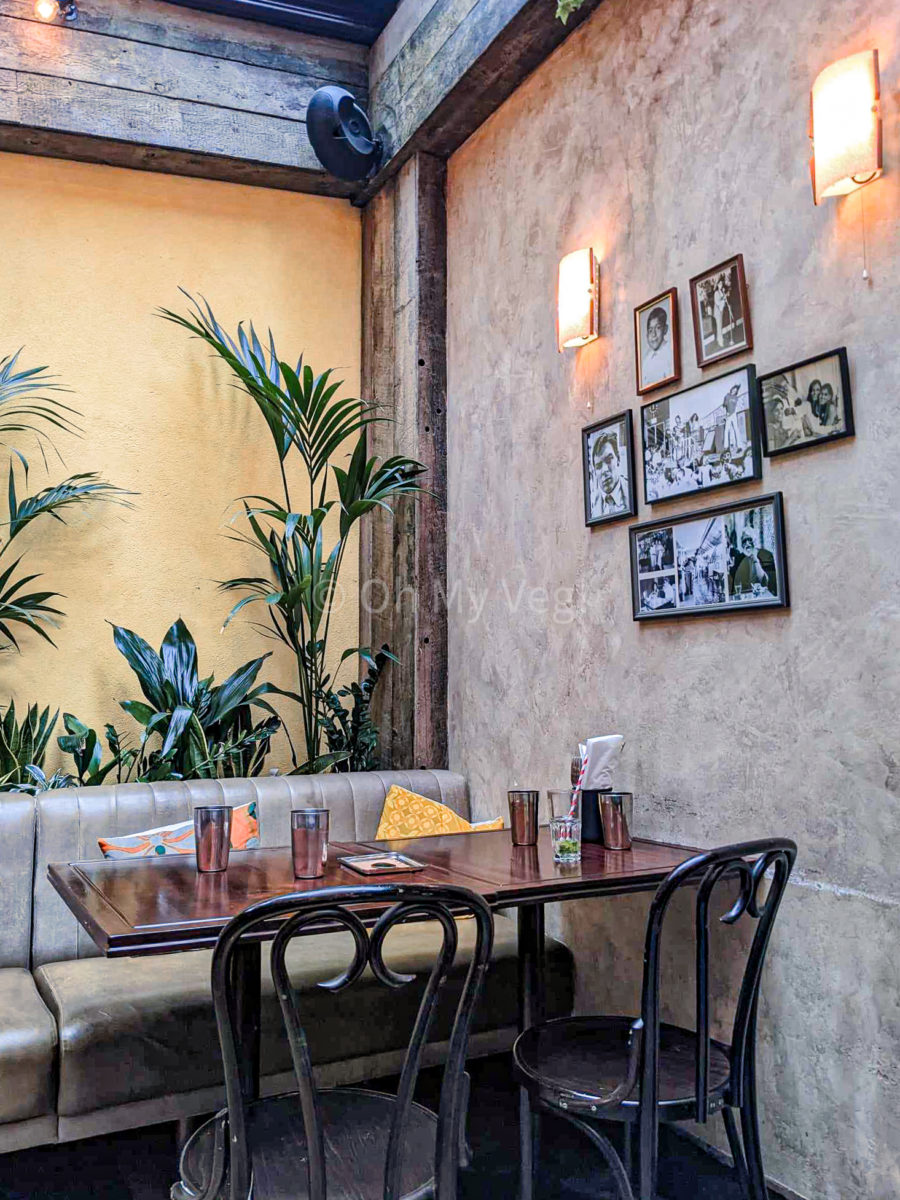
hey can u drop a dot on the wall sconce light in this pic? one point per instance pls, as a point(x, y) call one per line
point(845, 126)
point(49, 10)
point(578, 299)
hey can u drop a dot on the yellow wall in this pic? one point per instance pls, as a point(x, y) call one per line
point(88, 253)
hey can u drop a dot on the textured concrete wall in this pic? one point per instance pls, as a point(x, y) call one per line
point(669, 137)
point(89, 253)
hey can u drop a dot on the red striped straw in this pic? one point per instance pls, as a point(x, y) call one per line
point(576, 791)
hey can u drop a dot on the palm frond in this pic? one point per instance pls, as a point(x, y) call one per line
point(30, 610)
point(28, 403)
point(299, 406)
point(369, 483)
point(77, 489)
point(257, 370)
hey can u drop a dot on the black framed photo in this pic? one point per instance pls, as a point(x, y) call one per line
point(806, 404)
point(726, 559)
point(657, 349)
point(721, 311)
point(704, 437)
point(608, 467)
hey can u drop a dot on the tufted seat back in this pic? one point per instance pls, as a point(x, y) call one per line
point(16, 878)
point(70, 821)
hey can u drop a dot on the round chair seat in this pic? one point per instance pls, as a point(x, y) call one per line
point(585, 1059)
point(356, 1127)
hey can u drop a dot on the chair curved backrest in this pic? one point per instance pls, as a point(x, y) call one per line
point(341, 908)
point(748, 864)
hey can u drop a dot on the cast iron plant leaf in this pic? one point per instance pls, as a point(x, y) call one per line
point(203, 730)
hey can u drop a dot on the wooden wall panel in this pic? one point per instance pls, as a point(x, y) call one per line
point(152, 86)
point(457, 66)
point(404, 559)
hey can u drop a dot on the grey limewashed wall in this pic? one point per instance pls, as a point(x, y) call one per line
point(669, 137)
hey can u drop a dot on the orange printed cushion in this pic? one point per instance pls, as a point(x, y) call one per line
point(407, 814)
point(179, 838)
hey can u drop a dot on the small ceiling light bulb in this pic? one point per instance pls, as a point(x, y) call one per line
point(47, 10)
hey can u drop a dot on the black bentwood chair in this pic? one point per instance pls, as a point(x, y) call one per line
point(357, 1144)
point(643, 1072)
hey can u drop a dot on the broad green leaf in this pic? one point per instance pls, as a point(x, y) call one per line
point(145, 663)
point(179, 660)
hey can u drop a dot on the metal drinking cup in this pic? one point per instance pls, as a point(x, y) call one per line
point(309, 842)
point(523, 816)
point(212, 835)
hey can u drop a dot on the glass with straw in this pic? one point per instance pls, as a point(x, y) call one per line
point(565, 825)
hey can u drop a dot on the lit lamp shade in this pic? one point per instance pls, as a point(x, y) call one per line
point(845, 126)
point(577, 300)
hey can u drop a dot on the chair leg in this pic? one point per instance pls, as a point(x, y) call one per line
point(527, 1164)
point(606, 1148)
point(629, 1150)
point(752, 1145)
point(648, 1157)
point(535, 1145)
point(737, 1153)
point(465, 1150)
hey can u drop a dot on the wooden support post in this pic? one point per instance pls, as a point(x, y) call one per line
point(403, 561)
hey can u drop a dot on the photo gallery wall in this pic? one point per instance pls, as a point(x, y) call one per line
point(712, 435)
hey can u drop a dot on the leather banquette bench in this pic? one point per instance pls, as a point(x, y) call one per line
point(89, 1045)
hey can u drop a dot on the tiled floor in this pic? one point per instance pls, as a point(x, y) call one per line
point(140, 1165)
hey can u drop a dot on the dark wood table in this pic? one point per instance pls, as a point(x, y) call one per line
point(162, 905)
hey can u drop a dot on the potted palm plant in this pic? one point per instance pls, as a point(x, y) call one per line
point(31, 405)
point(309, 418)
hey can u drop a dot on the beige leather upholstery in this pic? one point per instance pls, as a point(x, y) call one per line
point(136, 1029)
point(136, 1037)
point(27, 1049)
point(16, 878)
point(70, 821)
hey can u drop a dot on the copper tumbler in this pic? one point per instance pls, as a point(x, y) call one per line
point(309, 842)
point(212, 835)
point(615, 818)
point(523, 816)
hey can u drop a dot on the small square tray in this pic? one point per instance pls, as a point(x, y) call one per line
point(389, 863)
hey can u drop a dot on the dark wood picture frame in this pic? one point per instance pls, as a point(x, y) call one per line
point(754, 421)
point(630, 509)
point(781, 598)
point(670, 296)
point(840, 353)
point(705, 360)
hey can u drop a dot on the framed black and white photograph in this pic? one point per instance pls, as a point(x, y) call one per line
point(704, 437)
point(610, 492)
point(806, 404)
point(721, 312)
point(657, 349)
point(719, 560)
point(656, 551)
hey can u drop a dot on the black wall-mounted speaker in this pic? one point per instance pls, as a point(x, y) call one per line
point(340, 133)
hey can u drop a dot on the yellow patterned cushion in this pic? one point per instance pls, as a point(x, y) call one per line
point(406, 814)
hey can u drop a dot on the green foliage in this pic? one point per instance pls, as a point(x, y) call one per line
point(351, 736)
point(83, 744)
point(26, 407)
point(41, 782)
point(23, 743)
point(565, 8)
point(305, 414)
point(205, 731)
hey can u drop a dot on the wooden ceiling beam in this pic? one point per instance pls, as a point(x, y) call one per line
point(460, 63)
